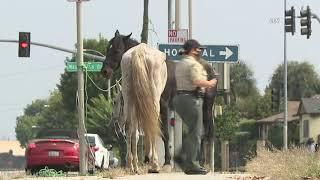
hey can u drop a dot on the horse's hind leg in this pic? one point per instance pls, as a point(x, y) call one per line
point(147, 150)
point(155, 168)
point(129, 152)
point(135, 138)
point(128, 118)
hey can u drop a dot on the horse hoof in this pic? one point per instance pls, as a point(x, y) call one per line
point(167, 168)
point(137, 171)
point(154, 169)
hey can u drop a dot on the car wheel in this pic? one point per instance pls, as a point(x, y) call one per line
point(28, 171)
point(92, 170)
point(31, 171)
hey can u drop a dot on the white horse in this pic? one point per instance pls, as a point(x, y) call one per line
point(144, 75)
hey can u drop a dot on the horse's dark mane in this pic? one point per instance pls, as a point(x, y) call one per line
point(131, 43)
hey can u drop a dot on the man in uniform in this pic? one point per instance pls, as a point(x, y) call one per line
point(191, 80)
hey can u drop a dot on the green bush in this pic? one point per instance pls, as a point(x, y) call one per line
point(250, 126)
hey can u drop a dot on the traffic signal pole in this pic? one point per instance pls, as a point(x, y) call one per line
point(285, 104)
point(91, 56)
point(316, 17)
point(178, 125)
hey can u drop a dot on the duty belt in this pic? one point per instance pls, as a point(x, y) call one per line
point(194, 93)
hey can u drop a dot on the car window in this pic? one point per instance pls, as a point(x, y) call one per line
point(56, 134)
point(91, 139)
point(101, 141)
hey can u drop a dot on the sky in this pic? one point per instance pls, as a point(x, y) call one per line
point(246, 23)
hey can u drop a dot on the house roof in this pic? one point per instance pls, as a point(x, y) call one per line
point(6, 146)
point(310, 105)
point(293, 107)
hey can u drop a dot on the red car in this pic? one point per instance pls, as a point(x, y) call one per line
point(58, 149)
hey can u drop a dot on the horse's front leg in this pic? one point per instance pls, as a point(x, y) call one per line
point(165, 134)
point(135, 138)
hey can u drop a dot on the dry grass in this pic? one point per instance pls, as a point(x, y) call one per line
point(11, 175)
point(120, 172)
point(296, 163)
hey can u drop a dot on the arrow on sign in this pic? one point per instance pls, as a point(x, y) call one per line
point(227, 53)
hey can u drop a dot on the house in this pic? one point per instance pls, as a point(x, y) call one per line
point(266, 123)
point(309, 118)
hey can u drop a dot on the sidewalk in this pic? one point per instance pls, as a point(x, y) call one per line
point(160, 176)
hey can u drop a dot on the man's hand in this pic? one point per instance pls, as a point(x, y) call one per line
point(212, 83)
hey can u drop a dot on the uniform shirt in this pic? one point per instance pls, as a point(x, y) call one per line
point(187, 71)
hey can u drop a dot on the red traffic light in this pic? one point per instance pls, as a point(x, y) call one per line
point(24, 44)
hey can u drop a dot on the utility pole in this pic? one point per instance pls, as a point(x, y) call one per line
point(171, 114)
point(83, 161)
point(285, 122)
point(177, 15)
point(178, 125)
point(190, 18)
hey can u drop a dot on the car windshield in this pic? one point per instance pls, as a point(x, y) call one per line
point(57, 134)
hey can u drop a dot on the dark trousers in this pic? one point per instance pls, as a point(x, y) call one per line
point(189, 109)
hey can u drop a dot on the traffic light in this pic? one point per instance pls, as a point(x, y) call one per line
point(306, 22)
point(24, 44)
point(275, 99)
point(290, 20)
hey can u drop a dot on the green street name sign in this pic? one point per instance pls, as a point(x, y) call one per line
point(91, 66)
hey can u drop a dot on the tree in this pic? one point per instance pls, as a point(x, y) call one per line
point(42, 114)
point(242, 82)
point(263, 108)
point(227, 123)
point(59, 111)
point(55, 116)
point(35, 107)
point(100, 121)
point(68, 81)
point(303, 81)
point(244, 93)
point(26, 124)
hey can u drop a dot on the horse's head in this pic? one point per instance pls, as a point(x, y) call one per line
point(118, 45)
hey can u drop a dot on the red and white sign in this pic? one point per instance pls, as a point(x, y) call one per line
point(177, 36)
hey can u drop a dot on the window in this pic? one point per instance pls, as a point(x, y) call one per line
point(91, 140)
point(306, 128)
point(101, 141)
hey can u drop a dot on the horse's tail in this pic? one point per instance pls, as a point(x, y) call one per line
point(142, 94)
